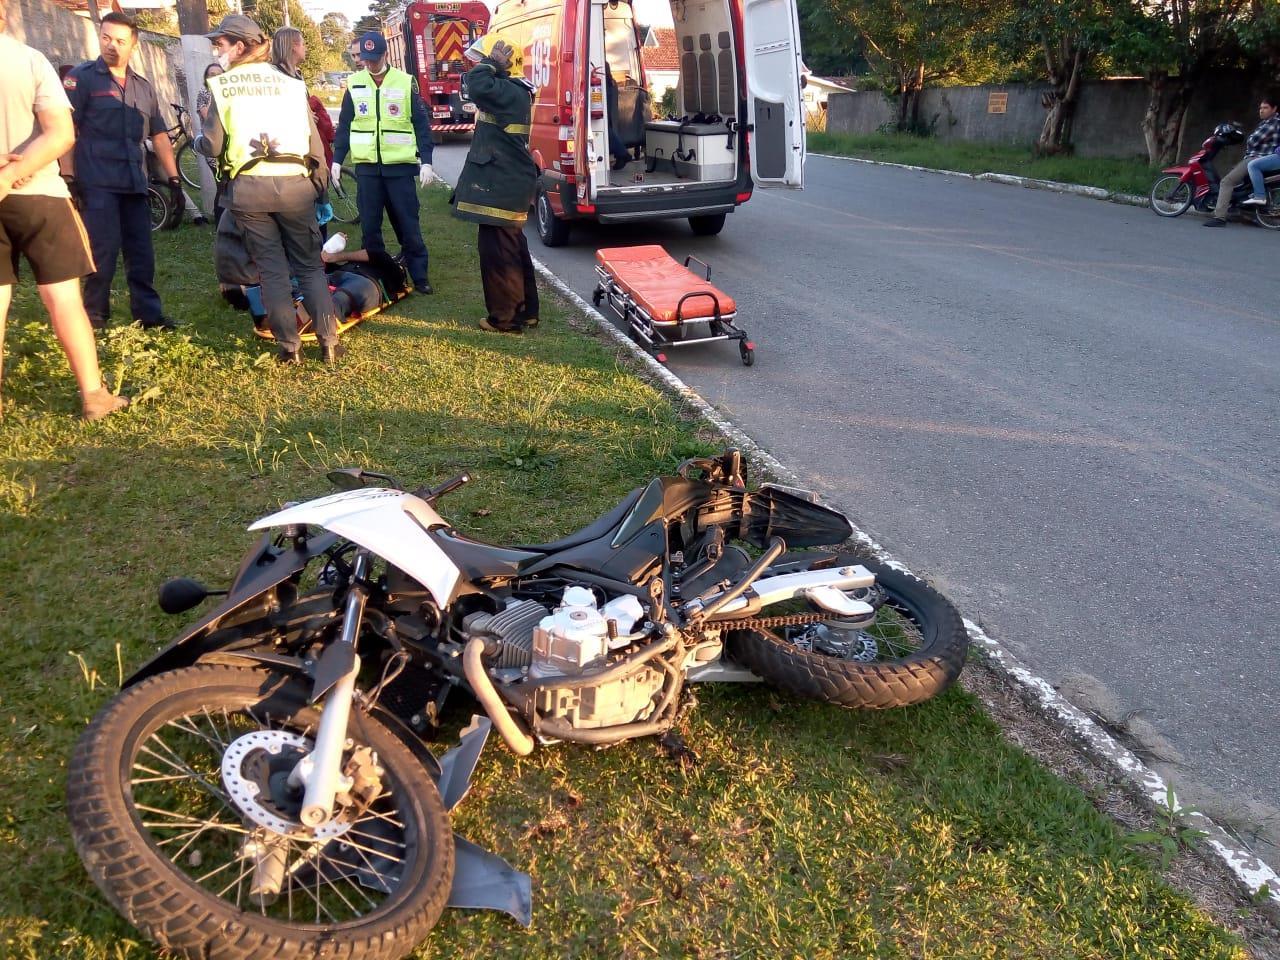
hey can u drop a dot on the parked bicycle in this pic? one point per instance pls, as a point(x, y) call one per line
point(189, 159)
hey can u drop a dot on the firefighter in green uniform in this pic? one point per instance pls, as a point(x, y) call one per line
point(497, 183)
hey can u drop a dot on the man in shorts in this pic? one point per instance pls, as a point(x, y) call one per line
point(37, 219)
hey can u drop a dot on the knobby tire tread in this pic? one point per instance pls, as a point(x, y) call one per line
point(869, 686)
point(163, 908)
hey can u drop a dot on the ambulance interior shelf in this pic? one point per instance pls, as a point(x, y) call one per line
point(701, 145)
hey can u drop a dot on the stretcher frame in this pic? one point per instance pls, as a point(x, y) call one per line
point(657, 335)
point(307, 333)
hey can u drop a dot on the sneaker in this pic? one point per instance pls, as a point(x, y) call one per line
point(531, 322)
point(288, 358)
point(1214, 222)
point(494, 328)
point(331, 353)
point(102, 403)
point(164, 323)
point(1254, 202)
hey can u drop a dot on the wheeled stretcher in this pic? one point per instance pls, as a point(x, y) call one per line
point(666, 304)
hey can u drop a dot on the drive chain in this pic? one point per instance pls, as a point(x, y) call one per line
point(766, 623)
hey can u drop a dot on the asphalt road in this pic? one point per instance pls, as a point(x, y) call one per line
point(1061, 410)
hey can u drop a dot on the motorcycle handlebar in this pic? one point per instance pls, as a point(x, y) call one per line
point(432, 494)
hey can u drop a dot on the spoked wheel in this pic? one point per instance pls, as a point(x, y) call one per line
point(183, 813)
point(1269, 216)
point(911, 649)
point(189, 163)
point(158, 207)
point(1170, 197)
point(342, 197)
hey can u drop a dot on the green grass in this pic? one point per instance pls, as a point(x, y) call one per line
point(801, 831)
point(966, 156)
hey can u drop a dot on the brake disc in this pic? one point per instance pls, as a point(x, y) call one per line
point(255, 770)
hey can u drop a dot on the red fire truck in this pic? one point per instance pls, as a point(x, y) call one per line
point(426, 39)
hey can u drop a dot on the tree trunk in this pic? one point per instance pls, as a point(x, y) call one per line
point(1066, 72)
point(910, 87)
point(1166, 111)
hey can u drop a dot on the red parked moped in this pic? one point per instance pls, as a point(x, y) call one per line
point(1195, 183)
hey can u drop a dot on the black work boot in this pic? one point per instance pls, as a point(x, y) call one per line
point(331, 353)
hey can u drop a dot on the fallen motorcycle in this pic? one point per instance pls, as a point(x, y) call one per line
point(262, 787)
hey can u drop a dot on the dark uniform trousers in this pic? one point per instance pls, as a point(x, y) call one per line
point(281, 244)
point(506, 269)
point(119, 222)
point(398, 196)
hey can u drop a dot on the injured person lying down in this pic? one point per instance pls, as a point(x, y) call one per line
point(362, 282)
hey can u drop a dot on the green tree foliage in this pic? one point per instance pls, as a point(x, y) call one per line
point(910, 44)
point(159, 20)
point(1060, 40)
point(1174, 43)
point(830, 50)
point(335, 34)
point(270, 16)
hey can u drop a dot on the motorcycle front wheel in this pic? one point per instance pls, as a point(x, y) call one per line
point(180, 808)
point(1170, 197)
point(913, 649)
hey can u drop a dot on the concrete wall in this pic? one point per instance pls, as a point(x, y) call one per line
point(64, 37)
point(1108, 119)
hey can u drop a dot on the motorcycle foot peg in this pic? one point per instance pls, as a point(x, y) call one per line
point(838, 602)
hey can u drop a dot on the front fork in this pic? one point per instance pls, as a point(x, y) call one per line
point(321, 770)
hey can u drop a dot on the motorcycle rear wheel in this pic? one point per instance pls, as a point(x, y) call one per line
point(914, 649)
point(155, 823)
point(1269, 216)
point(1170, 197)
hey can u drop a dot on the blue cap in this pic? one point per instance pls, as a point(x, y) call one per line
point(372, 46)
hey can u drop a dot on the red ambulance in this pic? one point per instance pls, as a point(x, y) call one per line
point(603, 152)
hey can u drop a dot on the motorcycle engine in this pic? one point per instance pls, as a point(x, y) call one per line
point(570, 641)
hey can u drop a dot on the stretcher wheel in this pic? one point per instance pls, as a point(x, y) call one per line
point(597, 295)
point(747, 351)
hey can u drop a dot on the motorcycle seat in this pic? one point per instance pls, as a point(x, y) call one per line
point(592, 531)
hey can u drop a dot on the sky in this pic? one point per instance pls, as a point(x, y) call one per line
point(647, 11)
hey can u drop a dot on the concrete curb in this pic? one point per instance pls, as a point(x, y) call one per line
point(1254, 877)
point(1053, 186)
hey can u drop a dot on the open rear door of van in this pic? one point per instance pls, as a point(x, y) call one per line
point(771, 35)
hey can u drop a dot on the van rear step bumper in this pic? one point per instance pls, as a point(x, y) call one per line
point(632, 208)
point(681, 211)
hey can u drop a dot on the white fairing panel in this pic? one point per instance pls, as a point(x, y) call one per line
point(389, 523)
point(771, 34)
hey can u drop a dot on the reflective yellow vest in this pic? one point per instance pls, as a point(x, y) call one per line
point(267, 121)
point(382, 127)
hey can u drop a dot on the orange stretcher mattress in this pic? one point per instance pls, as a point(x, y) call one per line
point(656, 282)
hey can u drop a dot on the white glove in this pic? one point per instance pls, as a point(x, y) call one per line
point(335, 173)
point(425, 175)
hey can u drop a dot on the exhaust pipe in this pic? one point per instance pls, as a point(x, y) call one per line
point(520, 742)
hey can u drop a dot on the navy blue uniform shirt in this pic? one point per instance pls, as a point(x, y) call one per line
point(112, 121)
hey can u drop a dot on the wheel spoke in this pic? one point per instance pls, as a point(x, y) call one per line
point(177, 793)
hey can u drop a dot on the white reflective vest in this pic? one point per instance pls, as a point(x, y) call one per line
point(267, 121)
